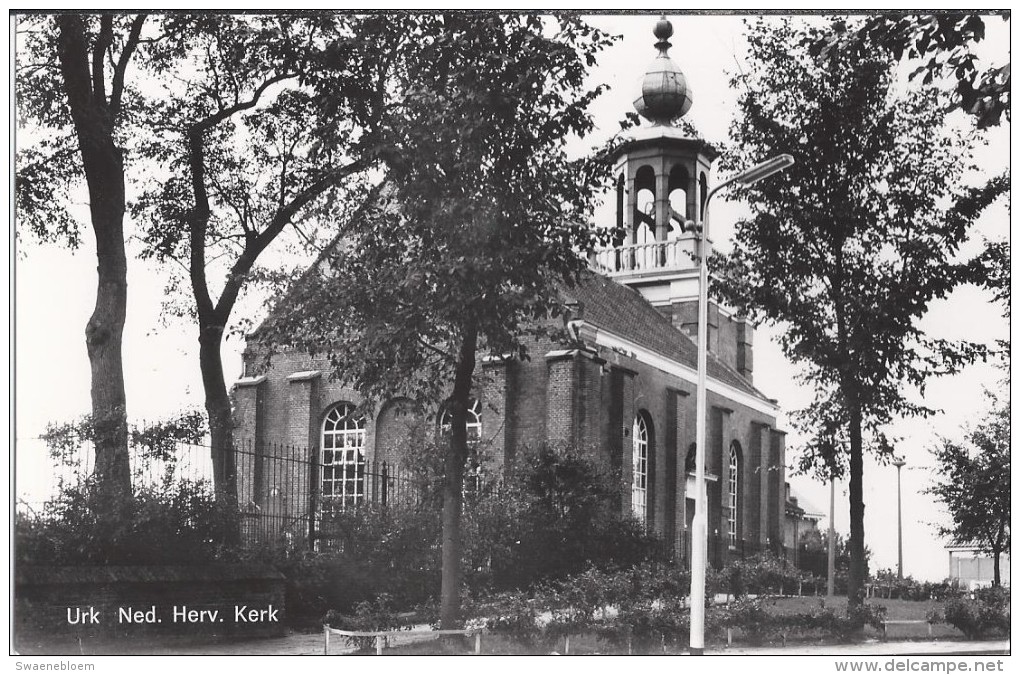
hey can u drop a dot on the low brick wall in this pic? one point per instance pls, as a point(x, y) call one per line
point(233, 601)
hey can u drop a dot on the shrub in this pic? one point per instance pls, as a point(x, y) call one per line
point(758, 622)
point(370, 551)
point(985, 615)
point(369, 616)
point(170, 523)
point(554, 516)
point(764, 573)
point(514, 615)
point(865, 615)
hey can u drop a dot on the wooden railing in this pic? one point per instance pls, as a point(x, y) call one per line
point(661, 256)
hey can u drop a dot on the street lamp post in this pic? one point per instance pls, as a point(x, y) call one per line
point(699, 541)
point(898, 463)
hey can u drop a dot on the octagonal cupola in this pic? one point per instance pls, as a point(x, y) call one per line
point(662, 176)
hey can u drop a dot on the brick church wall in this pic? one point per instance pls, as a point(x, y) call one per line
point(561, 394)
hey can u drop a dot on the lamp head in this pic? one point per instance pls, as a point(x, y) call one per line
point(767, 168)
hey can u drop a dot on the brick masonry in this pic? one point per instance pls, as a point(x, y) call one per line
point(579, 393)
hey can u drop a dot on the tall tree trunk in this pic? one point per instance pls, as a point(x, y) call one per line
point(858, 565)
point(997, 546)
point(217, 406)
point(996, 579)
point(453, 485)
point(103, 164)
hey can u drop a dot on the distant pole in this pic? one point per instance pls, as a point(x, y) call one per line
point(830, 585)
point(898, 463)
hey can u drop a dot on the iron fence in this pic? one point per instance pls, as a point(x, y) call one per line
point(278, 487)
point(282, 497)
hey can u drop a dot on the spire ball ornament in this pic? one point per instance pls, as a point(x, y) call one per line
point(665, 95)
point(663, 30)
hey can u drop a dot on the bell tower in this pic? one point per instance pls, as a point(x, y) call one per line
point(662, 177)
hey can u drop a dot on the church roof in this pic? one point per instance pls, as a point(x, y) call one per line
point(623, 311)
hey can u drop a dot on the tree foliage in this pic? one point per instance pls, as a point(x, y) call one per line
point(482, 218)
point(847, 249)
point(259, 129)
point(942, 46)
point(974, 484)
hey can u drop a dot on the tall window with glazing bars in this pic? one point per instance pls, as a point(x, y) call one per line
point(732, 486)
point(639, 478)
point(343, 458)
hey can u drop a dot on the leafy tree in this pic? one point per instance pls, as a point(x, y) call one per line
point(481, 222)
point(259, 133)
point(74, 75)
point(846, 249)
point(942, 43)
point(814, 549)
point(974, 484)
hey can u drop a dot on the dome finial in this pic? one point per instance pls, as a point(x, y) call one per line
point(663, 32)
point(664, 93)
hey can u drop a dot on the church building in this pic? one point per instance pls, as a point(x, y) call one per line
point(622, 388)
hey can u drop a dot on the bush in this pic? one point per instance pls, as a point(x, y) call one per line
point(170, 523)
point(985, 615)
point(515, 616)
point(762, 574)
point(758, 622)
point(554, 516)
point(369, 616)
point(372, 551)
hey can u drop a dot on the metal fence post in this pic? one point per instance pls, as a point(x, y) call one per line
point(313, 487)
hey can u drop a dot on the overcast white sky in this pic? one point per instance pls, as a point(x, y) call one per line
point(55, 293)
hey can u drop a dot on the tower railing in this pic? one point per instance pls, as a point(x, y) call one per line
point(659, 256)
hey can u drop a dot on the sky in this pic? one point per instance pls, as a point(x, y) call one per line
point(55, 294)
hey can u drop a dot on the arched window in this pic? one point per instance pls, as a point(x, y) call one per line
point(473, 470)
point(644, 219)
point(639, 482)
point(732, 488)
point(343, 457)
point(678, 184)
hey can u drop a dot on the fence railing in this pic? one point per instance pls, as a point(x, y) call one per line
point(289, 494)
point(674, 254)
point(281, 496)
